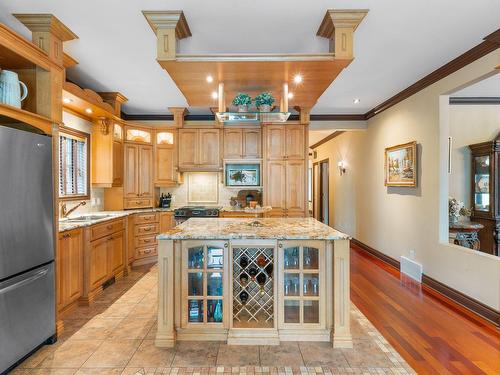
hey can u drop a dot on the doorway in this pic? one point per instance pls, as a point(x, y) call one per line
point(321, 200)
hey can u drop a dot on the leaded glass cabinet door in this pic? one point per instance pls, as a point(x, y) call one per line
point(302, 284)
point(204, 283)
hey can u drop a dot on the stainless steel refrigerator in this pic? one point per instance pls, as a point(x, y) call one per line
point(27, 286)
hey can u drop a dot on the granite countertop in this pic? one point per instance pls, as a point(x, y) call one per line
point(270, 228)
point(259, 210)
point(65, 225)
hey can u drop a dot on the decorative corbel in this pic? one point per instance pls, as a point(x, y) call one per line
point(169, 27)
point(104, 125)
point(115, 100)
point(338, 26)
point(179, 113)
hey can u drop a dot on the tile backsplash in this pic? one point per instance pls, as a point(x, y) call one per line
point(180, 196)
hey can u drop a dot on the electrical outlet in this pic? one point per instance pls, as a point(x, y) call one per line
point(412, 254)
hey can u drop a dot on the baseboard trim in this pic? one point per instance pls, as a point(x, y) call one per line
point(471, 304)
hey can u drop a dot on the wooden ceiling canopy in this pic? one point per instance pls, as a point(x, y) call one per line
point(254, 73)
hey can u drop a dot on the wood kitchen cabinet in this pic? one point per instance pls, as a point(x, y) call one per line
point(199, 149)
point(167, 221)
point(107, 156)
point(285, 142)
point(242, 143)
point(69, 268)
point(138, 185)
point(285, 170)
point(165, 158)
point(104, 256)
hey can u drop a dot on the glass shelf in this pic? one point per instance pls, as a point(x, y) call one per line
point(251, 117)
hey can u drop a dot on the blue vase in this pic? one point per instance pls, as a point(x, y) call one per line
point(218, 312)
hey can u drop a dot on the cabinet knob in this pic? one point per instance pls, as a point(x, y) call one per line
point(109, 226)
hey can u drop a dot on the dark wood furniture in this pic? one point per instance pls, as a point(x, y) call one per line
point(485, 186)
point(466, 234)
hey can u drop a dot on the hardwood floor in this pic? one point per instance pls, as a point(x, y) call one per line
point(433, 334)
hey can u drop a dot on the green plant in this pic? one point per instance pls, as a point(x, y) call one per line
point(266, 98)
point(242, 99)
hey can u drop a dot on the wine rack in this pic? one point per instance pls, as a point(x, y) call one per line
point(253, 278)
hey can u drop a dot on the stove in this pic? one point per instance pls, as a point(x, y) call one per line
point(184, 213)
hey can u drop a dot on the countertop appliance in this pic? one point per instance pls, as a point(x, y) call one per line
point(27, 286)
point(184, 213)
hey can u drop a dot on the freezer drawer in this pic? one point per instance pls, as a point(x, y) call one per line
point(27, 313)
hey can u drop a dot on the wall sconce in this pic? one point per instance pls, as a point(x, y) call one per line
point(341, 166)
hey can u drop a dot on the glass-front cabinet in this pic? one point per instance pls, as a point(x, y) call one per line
point(485, 202)
point(302, 283)
point(204, 282)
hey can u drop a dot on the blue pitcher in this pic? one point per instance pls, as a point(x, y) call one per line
point(10, 89)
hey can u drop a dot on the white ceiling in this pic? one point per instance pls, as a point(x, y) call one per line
point(486, 88)
point(396, 44)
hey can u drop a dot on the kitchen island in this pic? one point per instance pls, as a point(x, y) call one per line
point(253, 282)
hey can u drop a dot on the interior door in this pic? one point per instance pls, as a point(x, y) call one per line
point(324, 192)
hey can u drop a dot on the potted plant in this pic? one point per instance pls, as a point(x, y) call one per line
point(456, 209)
point(264, 101)
point(242, 101)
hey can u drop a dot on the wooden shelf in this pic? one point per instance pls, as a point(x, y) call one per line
point(81, 99)
point(41, 122)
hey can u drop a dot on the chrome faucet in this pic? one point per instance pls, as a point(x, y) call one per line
point(65, 212)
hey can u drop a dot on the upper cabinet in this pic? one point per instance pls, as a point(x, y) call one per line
point(199, 149)
point(138, 187)
point(107, 154)
point(165, 158)
point(285, 142)
point(242, 143)
point(138, 134)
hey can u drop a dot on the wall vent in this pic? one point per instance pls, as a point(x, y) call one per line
point(411, 268)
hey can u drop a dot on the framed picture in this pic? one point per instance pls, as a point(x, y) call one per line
point(401, 165)
point(242, 174)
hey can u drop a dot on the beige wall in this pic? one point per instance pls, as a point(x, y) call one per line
point(397, 220)
point(469, 124)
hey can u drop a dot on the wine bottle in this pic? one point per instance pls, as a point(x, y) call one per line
point(243, 262)
point(252, 272)
point(269, 270)
point(261, 279)
point(243, 279)
point(243, 297)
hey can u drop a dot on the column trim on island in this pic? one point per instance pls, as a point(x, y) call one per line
point(341, 294)
point(166, 335)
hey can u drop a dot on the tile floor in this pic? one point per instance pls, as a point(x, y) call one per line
point(116, 336)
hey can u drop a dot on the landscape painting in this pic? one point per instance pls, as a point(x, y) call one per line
point(401, 165)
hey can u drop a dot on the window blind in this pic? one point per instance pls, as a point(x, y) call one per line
point(72, 165)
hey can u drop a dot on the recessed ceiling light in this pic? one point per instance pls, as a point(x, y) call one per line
point(88, 110)
point(210, 79)
point(290, 95)
point(357, 101)
point(297, 78)
point(214, 95)
point(67, 100)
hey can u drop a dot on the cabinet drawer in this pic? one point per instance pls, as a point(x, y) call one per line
point(140, 241)
point(151, 217)
point(144, 229)
point(144, 252)
point(240, 215)
point(138, 203)
point(105, 229)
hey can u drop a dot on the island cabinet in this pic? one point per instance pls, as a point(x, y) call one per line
point(253, 282)
point(242, 143)
point(69, 269)
point(199, 149)
point(104, 256)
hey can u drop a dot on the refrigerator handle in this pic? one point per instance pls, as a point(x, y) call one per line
point(30, 279)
